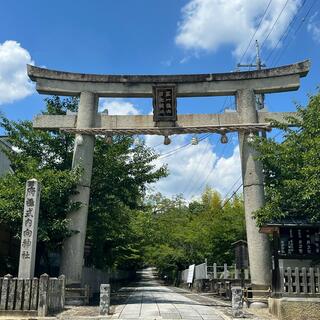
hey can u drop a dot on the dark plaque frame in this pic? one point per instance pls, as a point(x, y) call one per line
point(298, 242)
point(164, 103)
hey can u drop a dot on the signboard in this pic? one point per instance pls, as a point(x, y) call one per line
point(241, 255)
point(164, 103)
point(299, 241)
point(29, 230)
point(191, 273)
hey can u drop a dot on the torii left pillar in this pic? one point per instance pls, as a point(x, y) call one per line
point(73, 246)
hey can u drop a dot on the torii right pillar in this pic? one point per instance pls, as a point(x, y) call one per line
point(253, 192)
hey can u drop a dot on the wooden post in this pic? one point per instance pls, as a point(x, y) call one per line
point(11, 293)
point(62, 287)
point(289, 274)
point(297, 279)
point(318, 277)
point(276, 279)
point(304, 280)
point(5, 291)
point(215, 276)
point(27, 294)
point(43, 295)
point(236, 272)
point(312, 282)
point(34, 294)
point(19, 295)
point(225, 271)
point(86, 294)
point(281, 282)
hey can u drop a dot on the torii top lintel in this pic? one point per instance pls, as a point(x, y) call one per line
point(284, 78)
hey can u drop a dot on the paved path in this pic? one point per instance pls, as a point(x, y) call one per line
point(150, 300)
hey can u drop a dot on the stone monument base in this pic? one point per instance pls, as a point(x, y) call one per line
point(259, 296)
point(295, 308)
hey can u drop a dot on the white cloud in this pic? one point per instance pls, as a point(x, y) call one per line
point(14, 81)
point(118, 107)
point(209, 24)
point(314, 28)
point(194, 167)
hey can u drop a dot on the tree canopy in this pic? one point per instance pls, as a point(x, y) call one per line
point(292, 168)
point(127, 227)
point(121, 173)
point(175, 234)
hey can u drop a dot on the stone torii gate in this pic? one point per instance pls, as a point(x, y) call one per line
point(88, 122)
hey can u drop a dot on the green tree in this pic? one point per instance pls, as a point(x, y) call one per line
point(292, 167)
point(120, 175)
point(183, 233)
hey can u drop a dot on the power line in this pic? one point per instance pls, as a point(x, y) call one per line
point(296, 31)
point(172, 152)
point(194, 172)
point(233, 194)
point(231, 188)
point(222, 108)
point(265, 11)
point(287, 31)
point(210, 172)
point(274, 24)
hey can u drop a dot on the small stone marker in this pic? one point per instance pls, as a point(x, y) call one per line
point(104, 299)
point(29, 229)
point(237, 302)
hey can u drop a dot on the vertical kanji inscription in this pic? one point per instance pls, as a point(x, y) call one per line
point(164, 103)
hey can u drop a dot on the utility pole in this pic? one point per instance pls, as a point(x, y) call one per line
point(258, 65)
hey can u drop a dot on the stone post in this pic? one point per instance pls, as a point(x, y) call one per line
point(73, 247)
point(237, 304)
point(43, 295)
point(104, 299)
point(29, 230)
point(253, 192)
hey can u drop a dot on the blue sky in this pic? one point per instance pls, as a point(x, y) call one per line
point(159, 37)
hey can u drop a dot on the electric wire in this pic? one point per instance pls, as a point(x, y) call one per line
point(233, 194)
point(296, 31)
point(210, 172)
point(287, 31)
point(264, 14)
point(174, 151)
point(195, 184)
point(231, 188)
point(189, 186)
point(271, 29)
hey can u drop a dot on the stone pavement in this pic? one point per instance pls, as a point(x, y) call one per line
point(150, 300)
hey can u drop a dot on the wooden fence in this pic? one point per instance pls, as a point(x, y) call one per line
point(225, 272)
point(215, 278)
point(300, 282)
point(214, 272)
point(31, 296)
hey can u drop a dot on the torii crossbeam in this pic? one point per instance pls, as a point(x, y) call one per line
point(88, 122)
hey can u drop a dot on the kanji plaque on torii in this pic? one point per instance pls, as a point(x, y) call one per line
point(164, 103)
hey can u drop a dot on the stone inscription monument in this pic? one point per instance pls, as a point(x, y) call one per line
point(29, 229)
point(164, 89)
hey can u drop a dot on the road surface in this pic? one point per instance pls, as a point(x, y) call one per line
point(151, 300)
